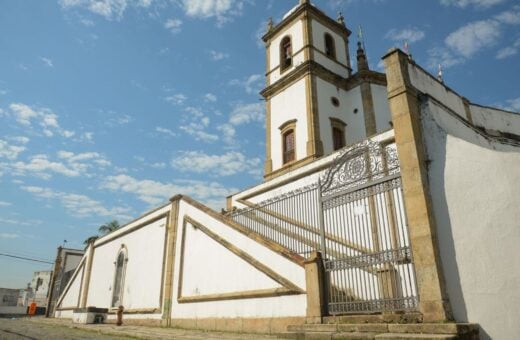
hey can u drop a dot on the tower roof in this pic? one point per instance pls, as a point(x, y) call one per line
point(295, 12)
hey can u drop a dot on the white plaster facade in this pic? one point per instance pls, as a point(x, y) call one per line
point(340, 65)
point(474, 187)
point(285, 106)
point(295, 32)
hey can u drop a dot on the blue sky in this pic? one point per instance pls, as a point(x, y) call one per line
point(110, 107)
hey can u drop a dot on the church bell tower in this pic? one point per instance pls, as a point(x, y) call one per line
point(307, 57)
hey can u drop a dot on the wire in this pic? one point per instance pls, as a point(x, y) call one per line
point(25, 258)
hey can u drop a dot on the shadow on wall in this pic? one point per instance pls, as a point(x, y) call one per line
point(436, 170)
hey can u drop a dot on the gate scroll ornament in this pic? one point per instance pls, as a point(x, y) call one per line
point(361, 203)
point(366, 161)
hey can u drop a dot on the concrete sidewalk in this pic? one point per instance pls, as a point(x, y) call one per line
point(47, 328)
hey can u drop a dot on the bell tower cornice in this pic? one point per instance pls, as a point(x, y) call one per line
point(304, 9)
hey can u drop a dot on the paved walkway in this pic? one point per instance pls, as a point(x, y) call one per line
point(42, 328)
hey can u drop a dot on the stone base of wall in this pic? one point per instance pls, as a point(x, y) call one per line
point(136, 322)
point(240, 325)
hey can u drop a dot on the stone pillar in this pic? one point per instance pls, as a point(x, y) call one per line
point(56, 269)
point(402, 96)
point(316, 288)
point(86, 276)
point(170, 261)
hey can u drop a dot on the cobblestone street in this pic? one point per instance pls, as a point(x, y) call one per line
point(53, 329)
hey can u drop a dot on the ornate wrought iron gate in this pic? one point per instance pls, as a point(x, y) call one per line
point(369, 264)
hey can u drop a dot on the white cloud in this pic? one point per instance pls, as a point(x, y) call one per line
point(259, 33)
point(10, 152)
point(222, 10)
point(119, 120)
point(87, 22)
point(5, 204)
point(512, 105)
point(197, 131)
point(78, 205)
point(252, 84)
point(20, 139)
point(165, 131)
point(197, 125)
point(158, 165)
point(88, 136)
point(442, 56)
point(473, 37)
point(23, 113)
point(9, 235)
point(47, 62)
point(476, 36)
point(48, 120)
point(70, 165)
point(227, 164)
point(408, 34)
point(173, 25)
point(177, 99)
point(511, 17)
point(218, 55)
point(210, 97)
point(153, 192)
point(506, 52)
point(228, 133)
point(42, 167)
point(110, 9)
point(247, 113)
point(24, 222)
point(476, 3)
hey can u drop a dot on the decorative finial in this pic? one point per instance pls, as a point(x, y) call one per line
point(341, 19)
point(302, 2)
point(362, 62)
point(270, 24)
point(407, 50)
point(439, 75)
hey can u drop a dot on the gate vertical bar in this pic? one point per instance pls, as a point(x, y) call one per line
point(322, 222)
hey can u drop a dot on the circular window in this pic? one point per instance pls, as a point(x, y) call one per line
point(335, 101)
point(355, 110)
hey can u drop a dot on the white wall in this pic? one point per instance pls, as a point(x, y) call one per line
point(142, 283)
point(71, 297)
point(13, 310)
point(72, 261)
point(318, 37)
point(494, 119)
point(289, 104)
point(424, 82)
point(349, 101)
point(295, 31)
point(475, 186)
point(381, 107)
point(210, 268)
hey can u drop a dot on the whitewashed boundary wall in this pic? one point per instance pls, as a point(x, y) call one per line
point(474, 181)
point(220, 272)
point(143, 241)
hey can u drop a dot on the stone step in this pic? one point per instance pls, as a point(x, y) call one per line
point(434, 328)
point(415, 328)
point(369, 336)
point(416, 336)
point(375, 318)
